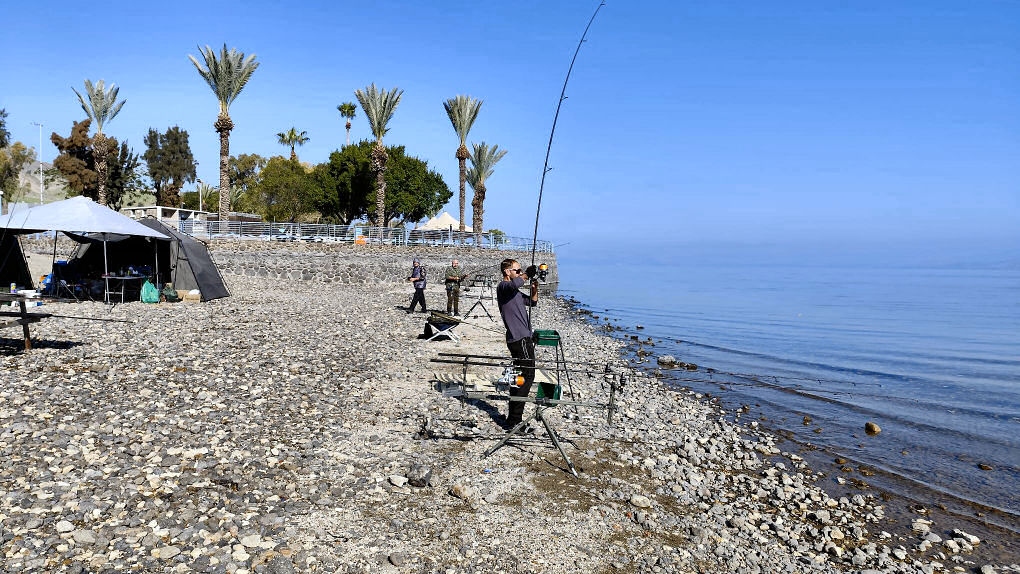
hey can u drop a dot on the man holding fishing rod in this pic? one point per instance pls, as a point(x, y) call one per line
point(513, 305)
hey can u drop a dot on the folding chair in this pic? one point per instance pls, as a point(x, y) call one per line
point(443, 325)
point(68, 288)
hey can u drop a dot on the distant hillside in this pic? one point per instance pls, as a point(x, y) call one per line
point(29, 185)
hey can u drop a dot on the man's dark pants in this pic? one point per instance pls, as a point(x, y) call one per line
point(419, 297)
point(523, 352)
point(453, 300)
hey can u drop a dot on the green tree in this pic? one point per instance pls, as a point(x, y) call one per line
point(285, 190)
point(170, 163)
point(483, 159)
point(345, 184)
point(226, 74)
point(5, 136)
point(379, 107)
point(413, 190)
point(77, 164)
point(124, 179)
point(13, 158)
point(244, 178)
point(347, 111)
point(208, 193)
point(462, 111)
point(74, 160)
point(101, 107)
point(292, 138)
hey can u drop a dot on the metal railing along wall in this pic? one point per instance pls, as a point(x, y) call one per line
point(358, 234)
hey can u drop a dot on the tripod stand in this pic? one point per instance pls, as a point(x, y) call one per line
point(485, 291)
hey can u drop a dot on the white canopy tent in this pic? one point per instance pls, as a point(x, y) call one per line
point(79, 216)
point(75, 215)
point(443, 222)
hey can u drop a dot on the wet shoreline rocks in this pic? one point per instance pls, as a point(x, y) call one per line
point(299, 428)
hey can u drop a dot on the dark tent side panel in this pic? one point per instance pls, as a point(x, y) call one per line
point(13, 265)
point(193, 267)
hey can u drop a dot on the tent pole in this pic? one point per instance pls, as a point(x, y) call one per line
point(53, 261)
point(155, 271)
point(106, 272)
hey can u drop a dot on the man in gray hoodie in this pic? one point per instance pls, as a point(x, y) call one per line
point(513, 305)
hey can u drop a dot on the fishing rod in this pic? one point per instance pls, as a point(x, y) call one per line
point(499, 357)
point(552, 132)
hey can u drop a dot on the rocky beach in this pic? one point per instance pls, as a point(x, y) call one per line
point(298, 426)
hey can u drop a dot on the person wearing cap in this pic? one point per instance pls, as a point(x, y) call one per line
point(513, 305)
point(418, 278)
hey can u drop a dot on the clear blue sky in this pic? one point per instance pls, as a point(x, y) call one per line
point(789, 123)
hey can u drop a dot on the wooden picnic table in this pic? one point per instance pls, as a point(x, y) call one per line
point(21, 317)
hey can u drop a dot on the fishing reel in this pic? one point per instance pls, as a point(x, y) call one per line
point(541, 271)
point(511, 377)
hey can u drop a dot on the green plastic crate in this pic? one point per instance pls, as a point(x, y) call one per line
point(547, 337)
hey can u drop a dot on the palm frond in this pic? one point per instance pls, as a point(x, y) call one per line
point(483, 159)
point(292, 137)
point(378, 106)
point(226, 73)
point(102, 105)
point(347, 110)
point(462, 111)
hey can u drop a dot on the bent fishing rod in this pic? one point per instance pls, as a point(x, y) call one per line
point(552, 133)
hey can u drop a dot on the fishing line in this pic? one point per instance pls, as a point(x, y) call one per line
point(552, 132)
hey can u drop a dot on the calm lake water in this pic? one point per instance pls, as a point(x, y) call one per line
point(930, 354)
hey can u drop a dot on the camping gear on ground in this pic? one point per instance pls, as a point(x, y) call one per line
point(149, 293)
point(169, 294)
point(442, 325)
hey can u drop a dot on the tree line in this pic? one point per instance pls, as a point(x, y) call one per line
point(368, 179)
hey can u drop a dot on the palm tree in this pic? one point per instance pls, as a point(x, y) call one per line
point(483, 159)
point(227, 74)
point(291, 137)
point(462, 111)
point(101, 107)
point(347, 110)
point(378, 107)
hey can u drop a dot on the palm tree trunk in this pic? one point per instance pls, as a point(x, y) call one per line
point(293, 154)
point(379, 158)
point(348, 132)
point(462, 155)
point(100, 150)
point(477, 211)
point(223, 126)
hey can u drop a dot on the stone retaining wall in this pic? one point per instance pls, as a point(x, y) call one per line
point(356, 264)
point(326, 262)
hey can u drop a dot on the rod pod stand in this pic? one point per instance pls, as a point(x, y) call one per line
point(540, 407)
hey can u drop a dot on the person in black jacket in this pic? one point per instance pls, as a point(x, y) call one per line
point(419, 279)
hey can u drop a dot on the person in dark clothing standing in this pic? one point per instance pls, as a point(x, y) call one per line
point(513, 305)
point(418, 278)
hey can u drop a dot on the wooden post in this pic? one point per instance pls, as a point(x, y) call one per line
point(24, 324)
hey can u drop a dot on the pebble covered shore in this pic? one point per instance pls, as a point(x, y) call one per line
point(300, 429)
